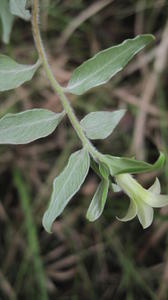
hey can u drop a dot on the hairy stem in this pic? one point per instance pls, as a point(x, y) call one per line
point(56, 86)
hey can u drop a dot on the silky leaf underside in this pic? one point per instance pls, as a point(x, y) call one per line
point(119, 165)
point(66, 185)
point(104, 65)
point(18, 8)
point(98, 202)
point(12, 74)
point(6, 20)
point(27, 126)
point(99, 125)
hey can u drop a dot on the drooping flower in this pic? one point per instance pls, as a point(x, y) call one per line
point(142, 200)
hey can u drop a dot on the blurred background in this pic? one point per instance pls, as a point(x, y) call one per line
point(81, 260)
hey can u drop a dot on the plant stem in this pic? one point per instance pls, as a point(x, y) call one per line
point(56, 86)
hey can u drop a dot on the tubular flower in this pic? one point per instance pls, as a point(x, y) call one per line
point(142, 200)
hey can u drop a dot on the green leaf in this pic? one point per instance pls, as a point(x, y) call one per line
point(104, 171)
point(66, 185)
point(6, 19)
point(98, 202)
point(27, 126)
point(18, 8)
point(12, 74)
point(100, 124)
point(119, 165)
point(104, 65)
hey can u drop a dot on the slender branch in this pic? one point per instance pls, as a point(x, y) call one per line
point(56, 86)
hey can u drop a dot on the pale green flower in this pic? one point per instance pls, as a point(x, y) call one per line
point(142, 200)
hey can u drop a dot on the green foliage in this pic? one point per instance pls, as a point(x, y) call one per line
point(33, 124)
point(104, 170)
point(12, 74)
point(27, 126)
point(100, 124)
point(6, 19)
point(118, 165)
point(104, 65)
point(18, 8)
point(98, 202)
point(66, 185)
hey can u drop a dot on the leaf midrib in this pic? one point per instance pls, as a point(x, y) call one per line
point(104, 66)
point(32, 124)
point(28, 68)
point(67, 179)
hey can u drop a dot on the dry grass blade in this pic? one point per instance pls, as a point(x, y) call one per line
point(6, 287)
point(61, 276)
point(81, 18)
point(147, 96)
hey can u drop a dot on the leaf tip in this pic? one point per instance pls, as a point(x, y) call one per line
point(149, 37)
point(46, 223)
point(89, 217)
point(159, 163)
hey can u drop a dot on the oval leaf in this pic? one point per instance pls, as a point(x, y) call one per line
point(27, 126)
point(119, 165)
point(100, 124)
point(66, 185)
point(12, 74)
point(6, 19)
point(104, 65)
point(98, 202)
point(17, 8)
